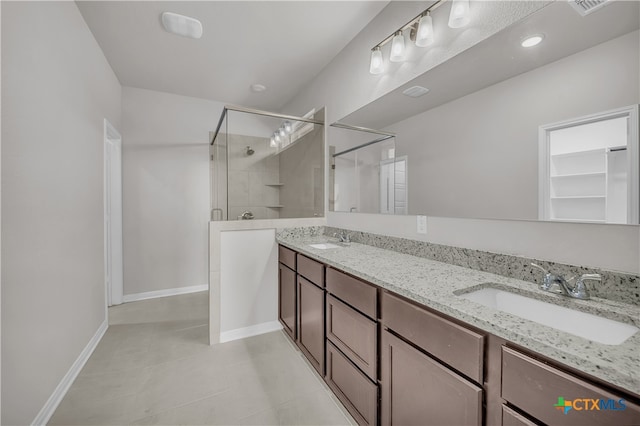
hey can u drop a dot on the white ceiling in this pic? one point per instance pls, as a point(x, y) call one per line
point(282, 45)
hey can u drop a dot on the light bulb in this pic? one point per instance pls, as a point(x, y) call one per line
point(273, 143)
point(276, 137)
point(377, 63)
point(459, 16)
point(424, 35)
point(397, 48)
point(282, 132)
point(287, 126)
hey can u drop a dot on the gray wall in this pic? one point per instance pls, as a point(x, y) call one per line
point(488, 168)
point(166, 189)
point(57, 88)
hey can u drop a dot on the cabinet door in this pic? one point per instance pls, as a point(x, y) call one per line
point(311, 322)
point(287, 299)
point(416, 390)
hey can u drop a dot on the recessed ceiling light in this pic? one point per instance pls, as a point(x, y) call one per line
point(257, 88)
point(415, 91)
point(531, 41)
point(182, 25)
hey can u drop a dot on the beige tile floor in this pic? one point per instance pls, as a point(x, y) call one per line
point(154, 366)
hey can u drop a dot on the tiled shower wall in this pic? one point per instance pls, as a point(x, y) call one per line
point(251, 178)
point(302, 175)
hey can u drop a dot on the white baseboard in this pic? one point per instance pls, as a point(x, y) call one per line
point(52, 403)
point(164, 293)
point(254, 330)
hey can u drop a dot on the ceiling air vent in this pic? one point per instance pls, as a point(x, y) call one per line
point(585, 7)
point(415, 91)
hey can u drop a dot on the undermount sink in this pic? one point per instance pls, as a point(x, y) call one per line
point(324, 246)
point(582, 324)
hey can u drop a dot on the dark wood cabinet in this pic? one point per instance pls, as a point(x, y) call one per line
point(354, 334)
point(356, 391)
point(393, 361)
point(512, 418)
point(417, 390)
point(358, 294)
point(451, 343)
point(287, 300)
point(311, 322)
point(556, 397)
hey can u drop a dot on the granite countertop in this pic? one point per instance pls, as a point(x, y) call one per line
point(435, 284)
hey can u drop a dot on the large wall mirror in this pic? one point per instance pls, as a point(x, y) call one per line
point(548, 132)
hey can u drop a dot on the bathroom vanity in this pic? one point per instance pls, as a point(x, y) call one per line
point(391, 337)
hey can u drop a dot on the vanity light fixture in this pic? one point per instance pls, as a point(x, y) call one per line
point(459, 15)
point(420, 31)
point(182, 25)
point(531, 41)
point(280, 135)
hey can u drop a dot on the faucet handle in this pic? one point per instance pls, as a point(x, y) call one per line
point(593, 277)
point(535, 265)
point(580, 291)
point(547, 281)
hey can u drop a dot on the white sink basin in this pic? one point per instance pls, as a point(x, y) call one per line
point(582, 324)
point(324, 246)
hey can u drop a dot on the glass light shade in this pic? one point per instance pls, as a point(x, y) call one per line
point(459, 16)
point(397, 48)
point(282, 132)
point(276, 137)
point(287, 126)
point(424, 35)
point(273, 143)
point(377, 63)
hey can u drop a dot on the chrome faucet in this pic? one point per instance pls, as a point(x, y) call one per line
point(343, 237)
point(552, 282)
point(246, 215)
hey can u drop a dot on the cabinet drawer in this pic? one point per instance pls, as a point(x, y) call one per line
point(360, 295)
point(354, 334)
point(453, 344)
point(311, 270)
point(287, 257)
point(354, 389)
point(416, 390)
point(511, 418)
point(536, 388)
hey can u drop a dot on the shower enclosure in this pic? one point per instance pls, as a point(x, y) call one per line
point(366, 175)
point(266, 165)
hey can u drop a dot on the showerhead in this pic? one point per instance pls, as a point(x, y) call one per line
point(250, 151)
